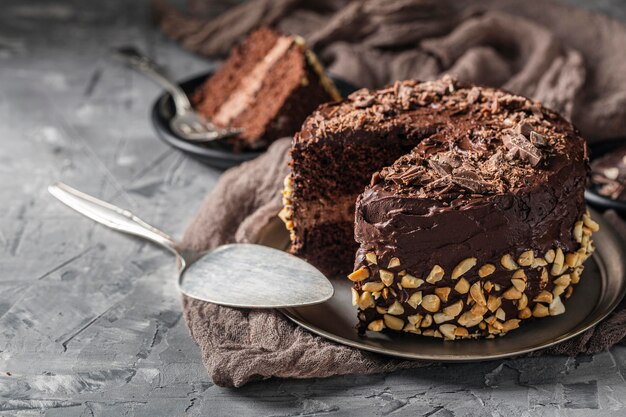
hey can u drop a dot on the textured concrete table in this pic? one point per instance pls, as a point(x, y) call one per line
point(90, 320)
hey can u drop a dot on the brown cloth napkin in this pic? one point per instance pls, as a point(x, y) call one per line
point(570, 59)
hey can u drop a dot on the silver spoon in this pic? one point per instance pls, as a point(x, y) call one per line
point(236, 275)
point(186, 123)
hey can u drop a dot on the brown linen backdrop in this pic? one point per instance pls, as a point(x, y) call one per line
point(570, 59)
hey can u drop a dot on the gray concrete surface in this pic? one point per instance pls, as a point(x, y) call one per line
point(90, 321)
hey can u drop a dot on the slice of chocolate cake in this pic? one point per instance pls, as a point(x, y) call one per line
point(478, 223)
point(268, 86)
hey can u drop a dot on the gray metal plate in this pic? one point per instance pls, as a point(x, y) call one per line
point(600, 290)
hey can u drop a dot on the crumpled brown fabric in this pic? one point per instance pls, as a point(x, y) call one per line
point(570, 59)
point(242, 345)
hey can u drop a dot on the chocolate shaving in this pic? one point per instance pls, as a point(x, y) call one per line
point(363, 101)
point(537, 139)
point(441, 169)
point(520, 147)
point(494, 163)
point(441, 86)
point(470, 181)
point(535, 109)
point(440, 182)
point(406, 177)
point(375, 178)
point(410, 174)
point(511, 102)
point(451, 159)
point(404, 94)
point(473, 95)
point(524, 128)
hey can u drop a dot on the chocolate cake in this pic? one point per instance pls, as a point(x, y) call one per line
point(470, 214)
point(267, 87)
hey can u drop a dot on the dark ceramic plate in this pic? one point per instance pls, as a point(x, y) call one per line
point(216, 154)
point(594, 199)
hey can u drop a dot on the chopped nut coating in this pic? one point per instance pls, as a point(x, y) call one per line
point(376, 326)
point(396, 309)
point(393, 323)
point(443, 293)
point(476, 292)
point(359, 275)
point(463, 266)
point(512, 294)
point(371, 258)
point(454, 309)
point(393, 263)
point(508, 262)
point(462, 286)
point(386, 277)
point(556, 307)
point(486, 270)
point(447, 330)
point(431, 303)
point(435, 275)
point(409, 281)
point(373, 286)
point(526, 258)
point(415, 299)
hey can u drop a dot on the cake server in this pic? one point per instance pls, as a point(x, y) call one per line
point(235, 275)
point(186, 123)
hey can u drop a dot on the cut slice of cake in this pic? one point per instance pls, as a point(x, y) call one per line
point(332, 160)
point(478, 222)
point(267, 87)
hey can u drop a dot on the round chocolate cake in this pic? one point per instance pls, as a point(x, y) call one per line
point(470, 214)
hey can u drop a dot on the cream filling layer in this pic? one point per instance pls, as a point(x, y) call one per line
point(313, 213)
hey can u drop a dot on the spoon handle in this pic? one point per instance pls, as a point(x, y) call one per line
point(146, 66)
point(110, 215)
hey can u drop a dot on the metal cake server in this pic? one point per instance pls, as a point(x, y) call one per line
point(236, 275)
point(186, 123)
